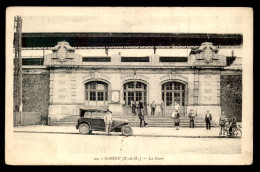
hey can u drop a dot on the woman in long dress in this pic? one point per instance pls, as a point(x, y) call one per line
point(176, 115)
point(175, 108)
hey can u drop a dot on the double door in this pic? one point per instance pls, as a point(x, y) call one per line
point(133, 93)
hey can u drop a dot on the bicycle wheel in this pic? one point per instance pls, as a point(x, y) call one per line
point(237, 133)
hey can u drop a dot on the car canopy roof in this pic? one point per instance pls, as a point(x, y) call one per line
point(82, 111)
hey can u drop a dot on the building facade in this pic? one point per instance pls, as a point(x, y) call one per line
point(114, 81)
point(65, 81)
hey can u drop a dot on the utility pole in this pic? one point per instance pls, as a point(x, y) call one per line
point(18, 80)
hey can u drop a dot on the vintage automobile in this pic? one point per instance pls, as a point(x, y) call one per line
point(93, 120)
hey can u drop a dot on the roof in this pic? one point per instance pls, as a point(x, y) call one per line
point(93, 110)
point(82, 111)
point(104, 39)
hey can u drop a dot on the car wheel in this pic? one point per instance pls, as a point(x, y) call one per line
point(127, 130)
point(84, 128)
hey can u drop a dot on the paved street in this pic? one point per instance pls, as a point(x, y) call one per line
point(60, 143)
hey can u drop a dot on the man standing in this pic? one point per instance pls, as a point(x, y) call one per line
point(177, 120)
point(153, 107)
point(133, 107)
point(208, 119)
point(222, 123)
point(141, 113)
point(108, 121)
point(232, 124)
point(162, 108)
point(191, 116)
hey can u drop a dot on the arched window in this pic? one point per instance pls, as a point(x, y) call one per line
point(173, 92)
point(96, 93)
point(134, 91)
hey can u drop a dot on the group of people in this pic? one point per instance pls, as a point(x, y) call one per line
point(224, 122)
point(136, 107)
point(139, 109)
point(227, 123)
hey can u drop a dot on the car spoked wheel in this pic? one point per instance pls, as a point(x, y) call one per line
point(237, 133)
point(84, 128)
point(127, 130)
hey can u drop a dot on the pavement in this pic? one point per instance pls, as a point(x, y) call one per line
point(144, 132)
point(63, 145)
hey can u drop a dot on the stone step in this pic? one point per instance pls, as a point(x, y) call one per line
point(150, 122)
point(135, 117)
point(154, 121)
point(137, 125)
point(132, 116)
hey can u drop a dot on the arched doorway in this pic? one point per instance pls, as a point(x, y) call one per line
point(96, 94)
point(173, 91)
point(134, 91)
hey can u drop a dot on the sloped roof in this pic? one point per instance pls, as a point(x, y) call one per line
point(102, 39)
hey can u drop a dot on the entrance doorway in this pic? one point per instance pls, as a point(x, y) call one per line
point(134, 91)
point(173, 92)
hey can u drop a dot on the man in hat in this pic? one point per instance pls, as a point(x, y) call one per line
point(191, 116)
point(232, 123)
point(141, 113)
point(108, 121)
point(208, 119)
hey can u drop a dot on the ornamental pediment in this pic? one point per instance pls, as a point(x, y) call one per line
point(207, 52)
point(63, 51)
point(62, 55)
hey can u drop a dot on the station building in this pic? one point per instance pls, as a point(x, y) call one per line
point(63, 80)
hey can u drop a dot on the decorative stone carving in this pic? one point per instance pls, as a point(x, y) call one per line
point(206, 55)
point(63, 55)
point(63, 52)
point(134, 77)
point(207, 52)
point(95, 75)
point(174, 76)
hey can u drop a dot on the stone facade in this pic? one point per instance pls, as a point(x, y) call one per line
point(62, 85)
point(200, 76)
point(36, 82)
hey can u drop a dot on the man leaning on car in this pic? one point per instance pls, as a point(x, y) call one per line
point(108, 121)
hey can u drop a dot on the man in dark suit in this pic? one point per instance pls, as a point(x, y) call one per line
point(208, 119)
point(191, 116)
point(141, 112)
